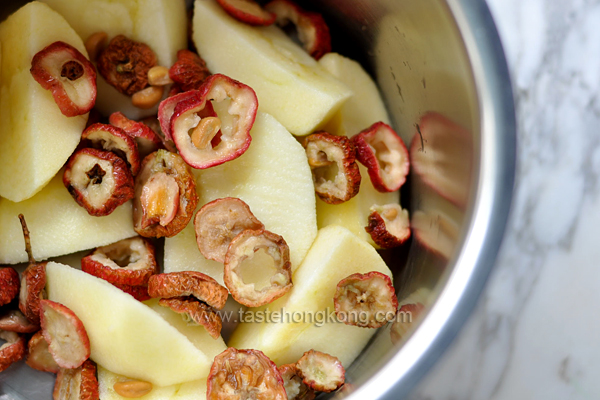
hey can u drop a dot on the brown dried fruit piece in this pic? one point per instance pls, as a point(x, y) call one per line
point(33, 281)
point(98, 180)
point(113, 139)
point(405, 317)
point(365, 300)
point(311, 28)
point(244, 374)
point(126, 262)
point(77, 384)
point(332, 160)
point(195, 311)
point(218, 222)
point(147, 139)
point(295, 388)
point(11, 351)
point(321, 371)
point(189, 71)
point(165, 195)
point(9, 285)
point(16, 321)
point(68, 75)
point(188, 283)
point(38, 355)
point(388, 225)
point(247, 11)
point(67, 339)
point(125, 63)
point(241, 252)
point(380, 149)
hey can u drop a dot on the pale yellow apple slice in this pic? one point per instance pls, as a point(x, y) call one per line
point(58, 225)
point(36, 139)
point(306, 318)
point(274, 179)
point(161, 24)
point(126, 336)
point(290, 84)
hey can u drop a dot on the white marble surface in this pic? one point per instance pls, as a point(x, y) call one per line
point(534, 332)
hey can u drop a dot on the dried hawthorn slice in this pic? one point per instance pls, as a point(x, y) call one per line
point(67, 339)
point(124, 64)
point(64, 71)
point(194, 311)
point(38, 355)
point(147, 139)
point(167, 108)
point(113, 139)
point(311, 28)
point(188, 283)
point(33, 281)
point(295, 388)
point(218, 222)
point(9, 285)
point(365, 300)
point(388, 225)
point(321, 371)
point(194, 138)
point(126, 262)
point(165, 195)
point(247, 11)
point(332, 160)
point(380, 149)
point(11, 351)
point(244, 374)
point(241, 251)
point(405, 317)
point(189, 71)
point(16, 321)
point(77, 384)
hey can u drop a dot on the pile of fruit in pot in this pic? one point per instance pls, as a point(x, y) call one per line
point(267, 164)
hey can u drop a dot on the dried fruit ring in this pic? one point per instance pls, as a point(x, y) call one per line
point(247, 11)
point(295, 388)
point(9, 285)
point(380, 149)
point(98, 180)
point(70, 77)
point(244, 374)
point(16, 321)
point(165, 195)
point(126, 262)
point(218, 222)
point(365, 300)
point(320, 371)
point(189, 71)
point(11, 351)
point(147, 140)
point(240, 253)
point(38, 355)
point(332, 160)
point(113, 139)
point(188, 283)
point(388, 225)
point(78, 383)
point(197, 312)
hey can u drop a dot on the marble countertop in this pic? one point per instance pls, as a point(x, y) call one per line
point(533, 334)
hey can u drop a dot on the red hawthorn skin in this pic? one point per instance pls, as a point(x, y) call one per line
point(123, 180)
point(248, 12)
point(9, 285)
point(311, 27)
point(33, 283)
point(189, 71)
point(376, 227)
point(88, 388)
point(188, 283)
point(11, 352)
point(38, 356)
point(102, 136)
point(147, 140)
point(166, 109)
point(305, 366)
point(230, 361)
point(16, 321)
point(53, 83)
point(199, 312)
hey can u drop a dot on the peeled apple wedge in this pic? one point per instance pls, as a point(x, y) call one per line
point(289, 83)
point(161, 24)
point(274, 179)
point(36, 139)
point(360, 111)
point(58, 225)
point(126, 336)
point(335, 254)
